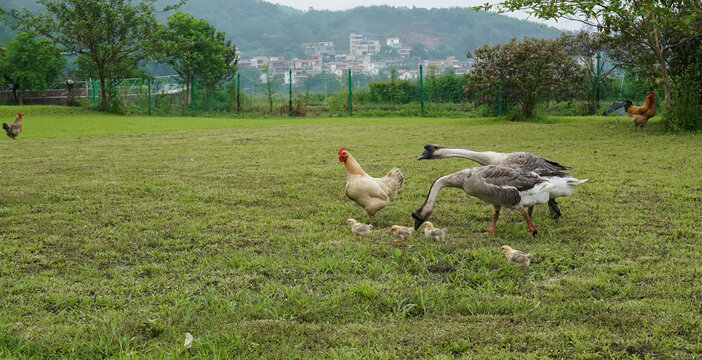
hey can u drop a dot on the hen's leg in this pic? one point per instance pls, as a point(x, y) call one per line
point(495, 215)
point(530, 225)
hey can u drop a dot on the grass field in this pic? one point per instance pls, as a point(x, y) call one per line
point(120, 234)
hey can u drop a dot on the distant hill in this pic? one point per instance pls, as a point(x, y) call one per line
point(262, 28)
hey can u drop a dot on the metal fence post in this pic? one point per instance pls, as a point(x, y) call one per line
point(148, 84)
point(290, 109)
point(421, 87)
point(350, 95)
point(238, 92)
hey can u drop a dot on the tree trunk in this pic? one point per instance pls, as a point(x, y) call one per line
point(14, 94)
point(270, 97)
point(103, 90)
point(187, 91)
point(664, 69)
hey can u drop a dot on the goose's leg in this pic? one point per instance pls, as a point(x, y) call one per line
point(495, 215)
point(553, 208)
point(372, 217)
point(530, 211)
point(530, 225)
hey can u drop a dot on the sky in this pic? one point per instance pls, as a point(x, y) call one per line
point(346, 4)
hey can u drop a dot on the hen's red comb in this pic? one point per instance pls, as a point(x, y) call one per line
point(20, 114)
point(342, 150)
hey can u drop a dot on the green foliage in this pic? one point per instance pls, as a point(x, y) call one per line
point(527, 71)
point(28, 63)
point(587, 47)
point(445, 88)
point(394, 92)
point(115, 34)
point(686, 114)
point(197, 51)
point(650, 33)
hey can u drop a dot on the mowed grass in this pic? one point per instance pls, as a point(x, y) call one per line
point(120, 234)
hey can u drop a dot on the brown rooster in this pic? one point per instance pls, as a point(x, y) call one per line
point(640, 114)
point(372, 194)
point(15, 128)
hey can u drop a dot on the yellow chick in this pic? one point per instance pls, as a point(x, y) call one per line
point(401, 232)
point(522, 258)
point(359, 229)
point(434, 233)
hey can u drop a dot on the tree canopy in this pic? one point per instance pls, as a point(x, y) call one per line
point(651, 31)
point(526, 72)
point(196, 51)
point(28, 63)
point(115, 34)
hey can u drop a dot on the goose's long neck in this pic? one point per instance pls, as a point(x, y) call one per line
point(481, 157)
point(452, 180)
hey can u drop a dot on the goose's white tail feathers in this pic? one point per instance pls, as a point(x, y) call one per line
point(575, 182)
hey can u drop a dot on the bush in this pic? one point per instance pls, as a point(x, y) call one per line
point(526, 72)
point(684, 115)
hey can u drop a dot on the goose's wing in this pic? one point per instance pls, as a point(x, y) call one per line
point(617, 106)
point(538, 164)
point(505, 183)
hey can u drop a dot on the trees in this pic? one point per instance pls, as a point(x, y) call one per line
point(528, 71)
point(115, 34)
point(30, 64)
point(197, 51)
point(652, 31)
point(586, 46)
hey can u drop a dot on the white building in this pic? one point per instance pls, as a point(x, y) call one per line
point(360, 46)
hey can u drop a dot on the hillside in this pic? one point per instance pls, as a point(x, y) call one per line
point(262, 28)
point(259, 27)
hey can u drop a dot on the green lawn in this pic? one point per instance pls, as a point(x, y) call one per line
point(120, 234)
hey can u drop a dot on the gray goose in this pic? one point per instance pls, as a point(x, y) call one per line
point(494, 184)
point(551, 170)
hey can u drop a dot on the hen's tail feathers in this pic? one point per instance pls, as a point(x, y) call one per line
point(5, 126)
point(399, 178)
